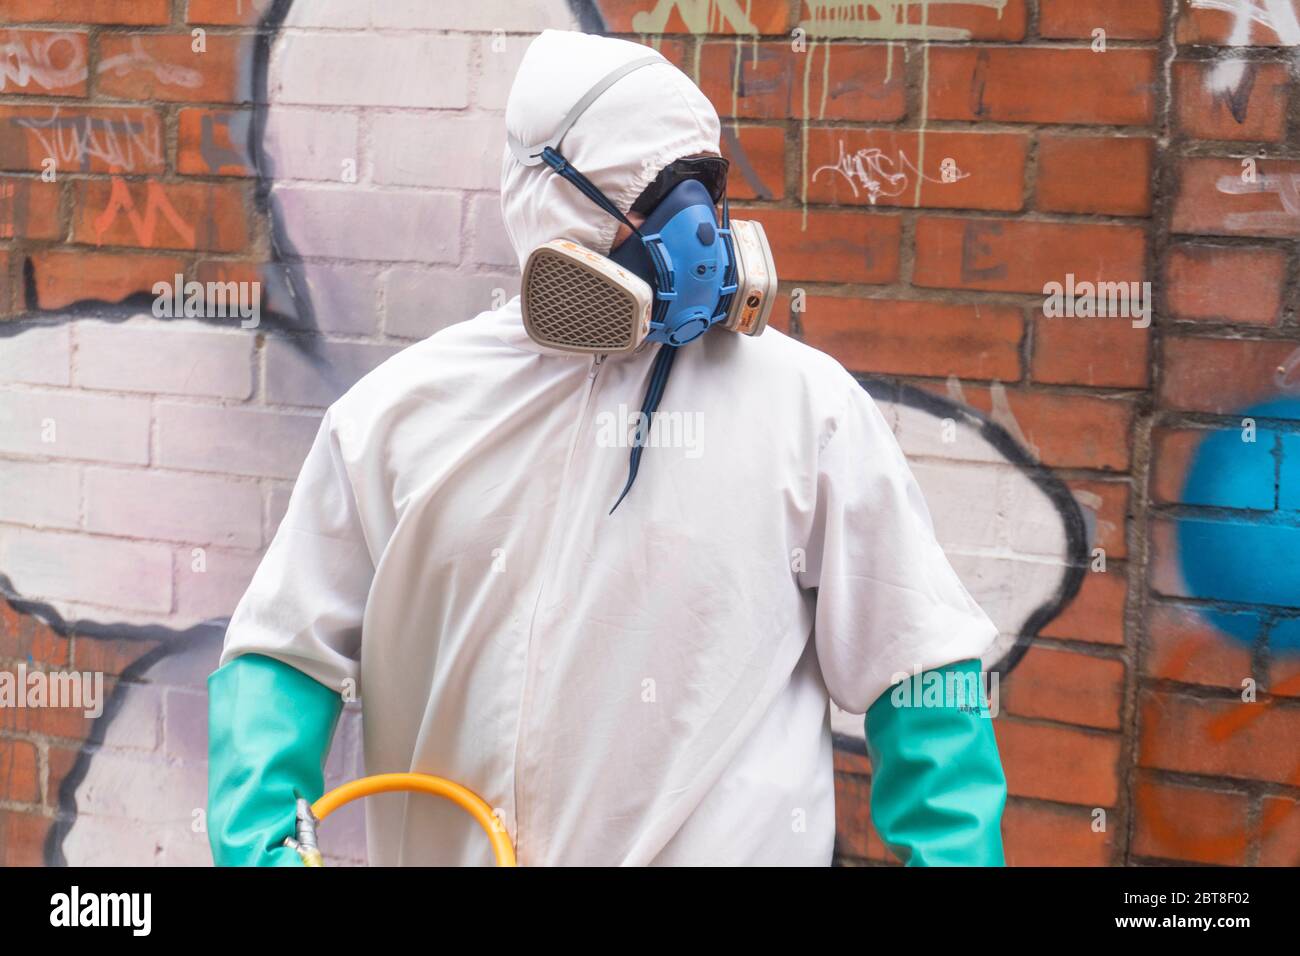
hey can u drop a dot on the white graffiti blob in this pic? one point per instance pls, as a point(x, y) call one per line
point(1276, 15)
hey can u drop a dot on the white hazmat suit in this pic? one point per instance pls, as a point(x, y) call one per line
point(644, 687)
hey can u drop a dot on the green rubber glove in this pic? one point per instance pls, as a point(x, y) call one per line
point(937, 787)
point(269, 731)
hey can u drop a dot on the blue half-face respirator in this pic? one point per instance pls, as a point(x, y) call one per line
point(683, 271)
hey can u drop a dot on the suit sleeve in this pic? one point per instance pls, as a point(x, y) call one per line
point(888, 601)
point(307, 599)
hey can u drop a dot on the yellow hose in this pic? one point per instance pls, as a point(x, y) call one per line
point(466, 799)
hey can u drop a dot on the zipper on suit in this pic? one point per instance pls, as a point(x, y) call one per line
point(526, 696)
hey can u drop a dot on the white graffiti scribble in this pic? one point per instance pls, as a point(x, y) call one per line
point(699, 16)
point(24, 61)
point(169, 74)
point(886, 19)
point(125, 143)
point(1276, 15)
point(880, 174)
point(1285, 186)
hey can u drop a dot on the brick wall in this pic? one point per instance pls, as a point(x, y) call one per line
point(1124, 500)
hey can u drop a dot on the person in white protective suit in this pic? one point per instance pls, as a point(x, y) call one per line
point(647, 686)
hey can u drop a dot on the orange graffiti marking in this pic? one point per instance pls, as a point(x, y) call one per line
point(1219, 731)
point(120, 201)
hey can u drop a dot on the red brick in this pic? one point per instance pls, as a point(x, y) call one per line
point(61, 762)
point(1225, 284)
point(1181, 645)
point(22, 838)
point(831, 246)
point(1121, 19)
point(1108, 500)
point(44, 62)
point(1098, 352)
point(72, 275)
point(1213, 199)
point(1066, 686)
point(1188, 823)
point(1064, 431)
point(155, 215)
point(222, 131)
point(8, 284)
point(1069, 85)
point(1220, 376)
point(1036, 834)
point(131, 12)
point(1059, 763)
point(1095, 174)
point(107, 655)
point(1206, 26)
point(1254, 109)
point(1219, 738)
point(1172, 450)
point(1280, 832)
point(879, 167)
point(96, 140)
point(917, 338)
point(639, 16)
point(128, 68)
point(19, 772)
point(1096, 614)
point(763, 151)
point(938, 22)
point(767, 80)
point(855, 837)
point(225, 13)
point(1016, 256)
point(29, 209)
point(22, 635)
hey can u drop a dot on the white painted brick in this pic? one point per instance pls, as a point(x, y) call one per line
point(106, 841)
point(318, 378)
point(312, 144)
point(174, 506)
point(489, 243)
point(102, 571)
point(40, 493)
point(131, 787)
point(396, 226)
point(366, 69)
point(921, 433)
point(185, 725)
point(965, 502)
point(499, 62)
point(35, 354)
point(137, 722)
point(481, 15)
point(234, 441)
point(213, 592)
point(86, 426)
point(329, 297)
point(165, 357)
point(433, 149)
point(419, 302)
point(331, 14)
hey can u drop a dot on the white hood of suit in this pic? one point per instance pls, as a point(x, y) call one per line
point(646, 120)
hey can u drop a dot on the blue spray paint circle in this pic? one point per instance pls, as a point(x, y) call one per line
point(1251, 558)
